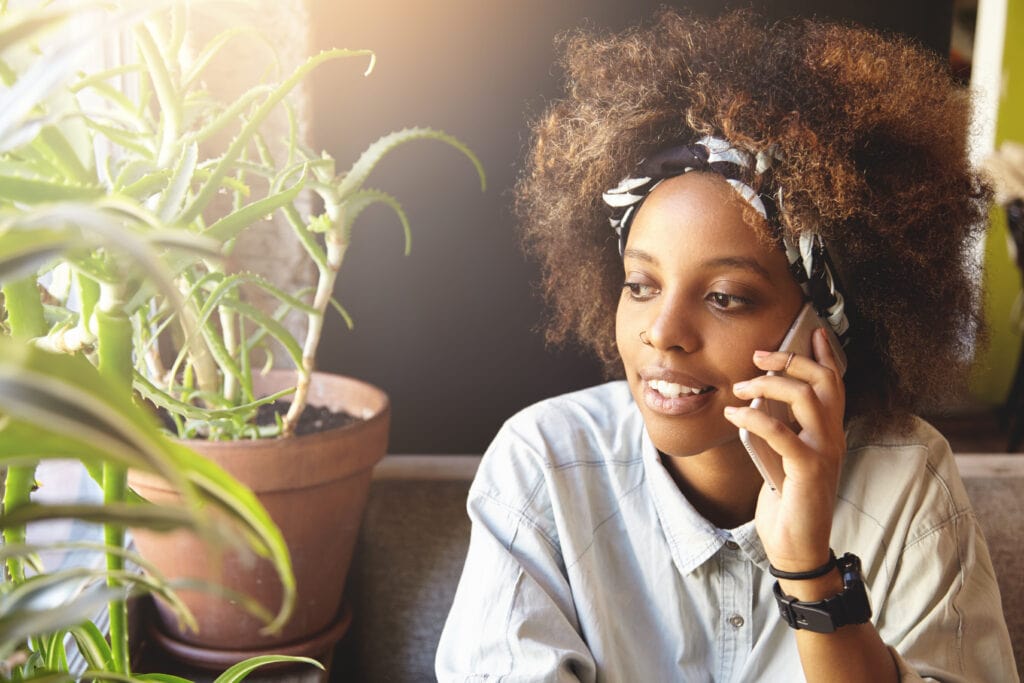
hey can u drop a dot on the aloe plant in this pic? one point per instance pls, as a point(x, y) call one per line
point(106, 191)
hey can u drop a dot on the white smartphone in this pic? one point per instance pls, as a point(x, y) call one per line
point(798, 341)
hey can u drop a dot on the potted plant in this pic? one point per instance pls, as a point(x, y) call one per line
point(192, 345)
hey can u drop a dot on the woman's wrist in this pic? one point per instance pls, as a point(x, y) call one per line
point(812, 590)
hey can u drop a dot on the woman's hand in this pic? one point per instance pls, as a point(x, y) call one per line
point(795, 524)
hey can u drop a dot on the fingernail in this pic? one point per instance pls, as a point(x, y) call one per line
point(740, 386)
point(730, 411)
point(761, 354)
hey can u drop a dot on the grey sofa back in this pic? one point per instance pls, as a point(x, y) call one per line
point(415, 533)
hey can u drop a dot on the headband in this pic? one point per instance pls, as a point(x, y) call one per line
point(808, 261)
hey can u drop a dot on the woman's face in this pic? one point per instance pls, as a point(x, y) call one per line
point(706, 293)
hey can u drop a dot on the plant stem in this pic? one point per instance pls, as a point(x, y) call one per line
point(25, 320)
point(337, 244)
point(114, 344)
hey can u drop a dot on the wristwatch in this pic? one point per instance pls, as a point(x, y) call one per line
point(825, 616)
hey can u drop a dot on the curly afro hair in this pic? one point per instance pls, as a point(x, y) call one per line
point(871, 132)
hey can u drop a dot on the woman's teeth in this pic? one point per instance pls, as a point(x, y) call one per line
point(672, 390)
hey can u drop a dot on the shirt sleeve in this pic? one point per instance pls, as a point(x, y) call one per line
point(943, 615)
point(512, 618)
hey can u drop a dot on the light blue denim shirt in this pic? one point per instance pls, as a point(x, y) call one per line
point(586, 563)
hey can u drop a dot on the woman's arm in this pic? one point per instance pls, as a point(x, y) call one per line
point(795, 525)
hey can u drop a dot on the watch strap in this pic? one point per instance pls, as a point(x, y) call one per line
point(848, 607)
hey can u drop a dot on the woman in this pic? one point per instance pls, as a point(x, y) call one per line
point(623, 533)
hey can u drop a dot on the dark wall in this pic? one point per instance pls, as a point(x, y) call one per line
point(450, 331)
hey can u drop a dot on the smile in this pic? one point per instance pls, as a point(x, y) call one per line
point(673, 390)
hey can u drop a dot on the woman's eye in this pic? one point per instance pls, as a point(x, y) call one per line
point(639, 291)
point(727, 301)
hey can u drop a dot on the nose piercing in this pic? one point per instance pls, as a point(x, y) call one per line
point(788, 360)
point(644, 339)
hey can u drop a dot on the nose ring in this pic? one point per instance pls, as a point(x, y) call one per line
point(644, 339)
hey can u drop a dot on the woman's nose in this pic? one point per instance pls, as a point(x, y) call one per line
point(674, 327)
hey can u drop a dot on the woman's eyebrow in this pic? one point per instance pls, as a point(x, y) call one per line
point(741, 262)
point(639, 255)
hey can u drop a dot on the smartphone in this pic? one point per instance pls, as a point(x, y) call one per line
point(798, 341)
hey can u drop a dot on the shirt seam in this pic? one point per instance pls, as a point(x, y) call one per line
point(593, 532)
point(521, 516)
point(952, 522)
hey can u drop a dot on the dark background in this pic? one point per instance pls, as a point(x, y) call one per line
point(451, 331)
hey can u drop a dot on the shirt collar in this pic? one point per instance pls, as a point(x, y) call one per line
point(692, 539)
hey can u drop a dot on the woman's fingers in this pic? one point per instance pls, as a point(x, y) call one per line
point(807, 407)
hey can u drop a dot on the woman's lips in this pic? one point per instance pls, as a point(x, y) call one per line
point(681, 405)
point(671, 394)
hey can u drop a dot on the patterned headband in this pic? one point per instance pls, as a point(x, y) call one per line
point(809, 262)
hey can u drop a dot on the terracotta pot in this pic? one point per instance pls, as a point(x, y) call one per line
point(315, 488)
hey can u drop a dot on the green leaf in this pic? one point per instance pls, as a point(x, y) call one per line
point(214, 46)
point(239, 671)
point(174, 195)
point(19, 623)
point(162, 399)
point(276, 329)
point(66, 395)
point(207, 192)
point(93, 646)
point(24, 253)
point(358, 201)
point(229, 227)
point(125, 515)
point(27, 190)
point(360, 170)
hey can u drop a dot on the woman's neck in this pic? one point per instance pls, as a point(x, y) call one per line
point(722, 484)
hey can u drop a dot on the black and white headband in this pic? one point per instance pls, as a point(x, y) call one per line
point(808, 260)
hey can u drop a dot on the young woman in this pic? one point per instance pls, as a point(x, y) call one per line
point(623, 532)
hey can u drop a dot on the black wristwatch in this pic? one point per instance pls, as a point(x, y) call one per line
point(825, 616)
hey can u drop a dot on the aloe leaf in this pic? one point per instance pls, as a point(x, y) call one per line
point(134, 141)
point(206, 193)
point(239, 671)
point(94, 79)
point(36, 190)
point(212, 48)
point(63, 156)
point(125, 108)
point(302, 232)
point(161, 678)
point(166, 94)
point(358, 201)
point(174, 195)
point(145, 187)
point(230, 114)
point(360, 170)
point(273, 327)
point(343, 313)
point(161, 399)
point(233, 224)
point(231, 282)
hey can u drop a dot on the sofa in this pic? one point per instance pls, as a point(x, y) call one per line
point(415, 533)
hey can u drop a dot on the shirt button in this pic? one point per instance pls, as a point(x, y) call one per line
point(732, 545)
point(736, 621)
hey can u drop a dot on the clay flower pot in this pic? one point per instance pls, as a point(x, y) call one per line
point(315, 488)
